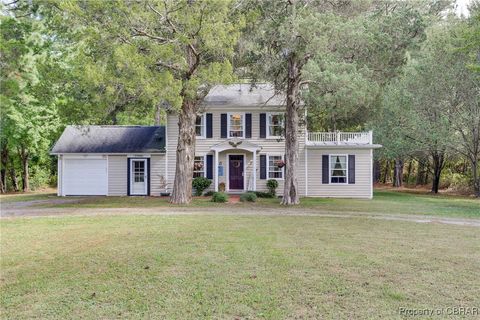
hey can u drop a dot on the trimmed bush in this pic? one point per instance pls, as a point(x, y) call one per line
point(209, 193)
point(272, 186)
point(261, 194)
point(220, 197)
point(248, 197)
point(200, 184)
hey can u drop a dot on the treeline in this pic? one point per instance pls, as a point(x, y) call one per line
point(409, 70)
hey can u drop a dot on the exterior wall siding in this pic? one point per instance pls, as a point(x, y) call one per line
point(157, 175)
point(363, 175)
point(60, 175)
point(117, 175)
point(203, 147)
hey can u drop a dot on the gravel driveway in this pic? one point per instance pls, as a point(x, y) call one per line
point(31, 209)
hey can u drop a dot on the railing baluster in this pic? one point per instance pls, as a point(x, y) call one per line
point(339, 137)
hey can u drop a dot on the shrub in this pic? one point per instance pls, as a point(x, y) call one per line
point(209, 193)
point(248, 197)
point(200, 184)
point(272, 186)
point(261, 194)
point(220, 197)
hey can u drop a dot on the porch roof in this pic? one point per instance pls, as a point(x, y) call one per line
point(236, 144)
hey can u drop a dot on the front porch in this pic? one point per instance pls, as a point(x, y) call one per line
point(235, 165)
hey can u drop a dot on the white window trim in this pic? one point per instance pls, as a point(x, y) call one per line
point(204, 126)
point(268, 124)
point(243, 124)
point(204, 156)
point(330, 169)
point(268, 165)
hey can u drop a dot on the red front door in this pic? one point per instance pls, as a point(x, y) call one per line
point(235, 172)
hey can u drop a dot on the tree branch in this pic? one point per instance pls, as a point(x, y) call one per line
point(169, 66)
point(142, 33)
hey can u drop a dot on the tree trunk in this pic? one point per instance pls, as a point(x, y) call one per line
point(398, 173)
point(385, 172)
point(3, 171)
point(377, 171)
point(475, 177)
point(158, 114)
point(290, 191)
point(420, 173)
point(438, 163)
point(25, 174)
point(182, 187)
point(13, 175)
point(427, 173)
point(409, 172)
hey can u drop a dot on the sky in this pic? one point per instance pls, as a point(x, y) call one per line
point(462, 7)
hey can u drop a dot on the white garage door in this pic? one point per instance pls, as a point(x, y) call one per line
point(82, 177)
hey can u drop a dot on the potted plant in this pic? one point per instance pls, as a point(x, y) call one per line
point(197, 166)
point(280, 163)
point(221, 187)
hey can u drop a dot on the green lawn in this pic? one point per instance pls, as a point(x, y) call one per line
point(233, 267)
point(17, 197)
point(383, 202)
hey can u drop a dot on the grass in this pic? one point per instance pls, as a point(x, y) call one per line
point(383, 202)
point(18, 197)
point(233, 267)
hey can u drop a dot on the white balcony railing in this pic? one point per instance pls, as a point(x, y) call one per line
point(339, 138)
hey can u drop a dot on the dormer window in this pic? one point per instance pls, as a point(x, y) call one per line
point(200, 126)
point(275, 125)
point(236, 125)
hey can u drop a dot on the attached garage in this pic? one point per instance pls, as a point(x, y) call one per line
point(111, 161)
point(85, 177)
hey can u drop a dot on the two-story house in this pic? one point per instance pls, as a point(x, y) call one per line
point(239, 146)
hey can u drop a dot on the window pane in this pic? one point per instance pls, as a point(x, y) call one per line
point(275, 124)
point(199, 126)
point(198, 167)
point(236, 125)
point(338, 169)
point(274, 171)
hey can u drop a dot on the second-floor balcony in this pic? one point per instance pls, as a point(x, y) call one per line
point(339, 138)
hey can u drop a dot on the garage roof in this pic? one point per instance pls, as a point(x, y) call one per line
point(111, 139)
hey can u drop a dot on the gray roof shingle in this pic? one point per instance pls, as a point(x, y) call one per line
point(244, 95)
point(111, 139)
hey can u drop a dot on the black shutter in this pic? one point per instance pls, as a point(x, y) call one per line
point(263, 125)
point(248, 125)
point(209, 166)
point(263, 166)
point(325, 169)
point(223, 125)
point(209, 124)
point(351, 169)
point(128, 176)
point(148, 176)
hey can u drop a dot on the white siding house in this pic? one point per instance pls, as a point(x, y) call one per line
point(239, 146)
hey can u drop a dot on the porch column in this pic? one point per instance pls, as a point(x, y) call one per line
point(255, 170)
point(215, 171)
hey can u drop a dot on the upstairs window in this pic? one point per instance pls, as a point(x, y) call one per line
point(199, 167)
point(200, 126)
point(275, 167)
point(338, 169)
point(236, 125)
point(275, 124)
